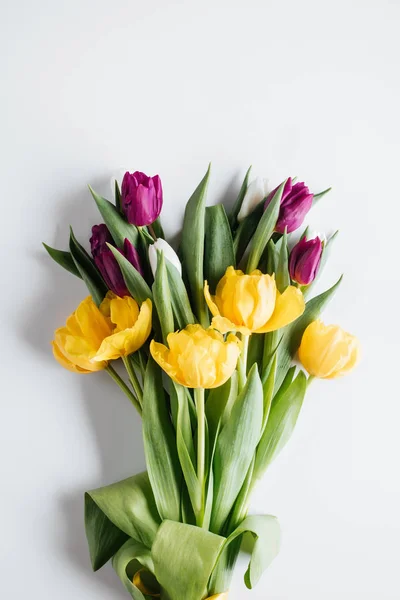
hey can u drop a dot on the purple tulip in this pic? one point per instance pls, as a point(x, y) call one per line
point(295, 203)
point(106, 261)
point(304, 260)
point(142, 198)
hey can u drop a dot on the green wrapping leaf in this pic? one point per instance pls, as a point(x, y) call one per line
point(327, 248)
point(246, 231)
point(162, 297)
point(128, 506)
point(119, 228)
point(281, 423)
point(294, 332)
point(118, 202)
point(268, 389)
point(158, 229)
point(219, 404)
point(135, 283)
point(318, 197)
point(130, 559)
point(159, 445)
point(192, 248)
point(219, 253)
point(86, 267)
point(282, 268)
point(272, 258)
point(235, 448)
point(256, 350)
point(239, 201)
point(265, 229)
point(64, 259)
point(179, 298)
point(184, 557)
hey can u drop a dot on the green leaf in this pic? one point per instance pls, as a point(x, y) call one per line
point(294, 332)
point(246, 231)
point(282, 268)
point(158, 229)
point(64, 259)
point(192, 248)
point(235, 448)
point(127, 506)
point(118, 226)
point(281, 423)
point(256, 348)
point(219, 404)
point(179, 298)
point(219, 253)
point(184, 557)
point(130, 559)
point(239, 200)
point(86, 267)
point(265, 229)
point(159, 445)
point(118, 202)
point(318, 197)
point(272, 258)
point(162, 297)
point(268, 389)
point(326, 250)
point(135, 283)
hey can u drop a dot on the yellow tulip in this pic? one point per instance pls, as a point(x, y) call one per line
point(327, 351)
point(197, 357)
point(76, 344)
point(130, 327)
point(252, 303)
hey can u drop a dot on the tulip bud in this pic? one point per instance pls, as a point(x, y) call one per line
point(169, 254)
point(295, 203)
point(256, 192)
point(106, 261)
point(141, 198)
point(304, 260)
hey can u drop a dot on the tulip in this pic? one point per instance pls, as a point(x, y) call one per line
point(256, 192)
point(252, 303)
point(130, 327)
point(326, 351)
point(141, 197)
point(169, 254)
point(197, 357)
point(106, 261)
point(304, 260)
point(295, 203)
point(76, 344)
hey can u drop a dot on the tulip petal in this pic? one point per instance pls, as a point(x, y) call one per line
point(161, 355)
point(224, 325)
point(124, 313)
point(127, 341)
point(210, 302)
point(288, 307)
point(65, 362)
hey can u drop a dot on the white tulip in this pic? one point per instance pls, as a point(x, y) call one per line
point(256, 192)
point(169, 254)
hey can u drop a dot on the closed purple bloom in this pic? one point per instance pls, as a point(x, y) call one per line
point(106, 261)
point(142, 198)
point(304, 260)
point(295, 203)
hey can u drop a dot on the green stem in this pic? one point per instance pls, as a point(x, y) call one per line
point(242, 366)
point(201, 449)
point(121, 383)
point(133, 379)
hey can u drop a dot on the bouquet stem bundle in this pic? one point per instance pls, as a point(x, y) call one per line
point(207, 338)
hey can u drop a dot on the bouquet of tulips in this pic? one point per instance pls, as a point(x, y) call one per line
point(207, 337)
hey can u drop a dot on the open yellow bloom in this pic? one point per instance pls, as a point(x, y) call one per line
point(252, 303)
point(197, 357)
point(327, 351)
point(130, 326)
point(76, 344)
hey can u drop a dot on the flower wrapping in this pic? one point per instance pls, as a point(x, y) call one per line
point(207, 336)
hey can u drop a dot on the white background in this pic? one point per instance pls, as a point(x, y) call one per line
point(303, 88)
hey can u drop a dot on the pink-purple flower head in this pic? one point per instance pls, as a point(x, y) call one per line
point(295, 203)
point(142, 198)
point(304, 260)
point(106, 261)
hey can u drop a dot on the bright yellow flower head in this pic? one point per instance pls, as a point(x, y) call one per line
point(197, 357)
point(130, 326)
point(252, 303)
point(327, 351)
point(76, 344)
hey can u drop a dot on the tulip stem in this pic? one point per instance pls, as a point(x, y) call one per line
point(242, 366)
point(133, 379)
point(121, 383)
point(201, 450)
